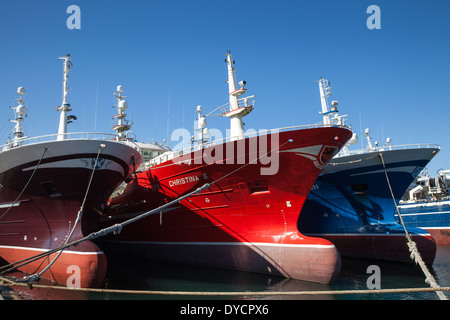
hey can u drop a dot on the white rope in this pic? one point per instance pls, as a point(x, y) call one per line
point(9, 283)
point(415, 255)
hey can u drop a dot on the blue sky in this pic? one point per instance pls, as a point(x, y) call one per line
point(393, 80)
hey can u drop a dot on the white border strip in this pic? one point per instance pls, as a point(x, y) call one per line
point(422, 214)
point(10, 204)
point(45, 250)
point(436, 228)
point(249, 244)
point(368, 234)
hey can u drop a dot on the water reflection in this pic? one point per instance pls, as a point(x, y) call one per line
point(131, 275)
point(189, 278)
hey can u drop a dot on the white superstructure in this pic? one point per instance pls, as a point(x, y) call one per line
point(239, 108)
point(331, 114)
point(122, 125)
point(20, 111)
point(65, 106)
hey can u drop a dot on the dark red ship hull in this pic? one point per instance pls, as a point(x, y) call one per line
point(246, 219)
point(39, 205)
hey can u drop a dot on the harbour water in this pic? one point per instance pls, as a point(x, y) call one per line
point(129, 275)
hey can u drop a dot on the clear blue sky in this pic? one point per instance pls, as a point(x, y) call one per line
point(394, 81)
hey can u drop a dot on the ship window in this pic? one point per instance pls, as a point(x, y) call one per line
point(258, 186)
point(432, 183)
point(149, 154)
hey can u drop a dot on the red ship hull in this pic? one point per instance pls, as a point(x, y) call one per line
point(440, 235)
point(39, 205)
point(246, 220)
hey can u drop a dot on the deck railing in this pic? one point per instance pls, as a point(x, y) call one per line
point(394, 147)
point(249, 134)
point(67, 136)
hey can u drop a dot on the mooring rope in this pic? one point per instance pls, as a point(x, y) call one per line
point(9, 283)
point(36, 277)
point(116, 229)
point(415, 255)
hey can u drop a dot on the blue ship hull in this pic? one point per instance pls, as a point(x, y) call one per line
point(434, 217)
point(352, 206)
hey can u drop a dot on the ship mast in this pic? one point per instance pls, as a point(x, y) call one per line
point(20, 111)
point(236, 112)
point(202, 130)
point(122, 125)
point(327, 112)
point(65, 107)
point(331, 115)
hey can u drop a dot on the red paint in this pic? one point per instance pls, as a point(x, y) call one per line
point(245, 220)
point(441, 236)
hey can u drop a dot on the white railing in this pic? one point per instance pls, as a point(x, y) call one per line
point(242, 102)
point(249, 134)
point(67, 136)
point(395, 147)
